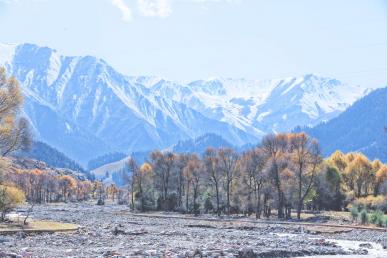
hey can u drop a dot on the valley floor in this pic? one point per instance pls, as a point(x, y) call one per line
point(111, 230)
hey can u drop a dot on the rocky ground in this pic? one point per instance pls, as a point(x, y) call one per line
point(111, 230)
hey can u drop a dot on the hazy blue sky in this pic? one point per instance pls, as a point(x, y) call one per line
point(191, 39)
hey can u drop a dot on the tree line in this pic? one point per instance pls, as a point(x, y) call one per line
point(39, 186)
point(14, 135)
point(36, 185)
point(285, 173)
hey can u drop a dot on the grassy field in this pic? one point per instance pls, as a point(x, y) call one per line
point(36, 226)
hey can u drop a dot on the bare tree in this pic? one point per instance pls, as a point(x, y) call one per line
point(228, 165)
point(164, 166)
point(130, 176)
point(253, 163)
point(211, 163)
point(17, 137)
point(181, 162)
point(305, 154)
point(14, 131)
point(29, 211)
point(274, 147)
point(193, 174)
point(188, 182)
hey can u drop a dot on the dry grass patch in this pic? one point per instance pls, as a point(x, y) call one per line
point(36, 226)
point(338, 215)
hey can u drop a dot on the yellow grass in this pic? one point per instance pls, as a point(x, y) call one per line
point(340, 215)
point(36, 226)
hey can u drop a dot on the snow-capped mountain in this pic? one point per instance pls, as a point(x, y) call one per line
point(265, 106)
point(361, 127)
point(83, 107)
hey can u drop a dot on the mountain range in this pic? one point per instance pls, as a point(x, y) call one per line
point(43, 152)
point(362, 127)
point(85, 108)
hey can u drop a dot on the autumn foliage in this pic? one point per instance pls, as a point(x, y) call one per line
point(285, 173)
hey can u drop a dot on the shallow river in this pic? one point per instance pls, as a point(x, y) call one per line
point(375, 250)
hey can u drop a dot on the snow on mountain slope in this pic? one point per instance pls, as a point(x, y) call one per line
point(361, 127)
point(7, 52)
point(83, 99)
point(264, 106)
point(308, 100)
point(86, 97)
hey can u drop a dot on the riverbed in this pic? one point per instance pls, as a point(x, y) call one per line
point(113, 231)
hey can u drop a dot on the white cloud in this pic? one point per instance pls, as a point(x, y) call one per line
point(154, 8)
point(215, 1)
point(126, 12)
point(9, 1)
point(20, 1)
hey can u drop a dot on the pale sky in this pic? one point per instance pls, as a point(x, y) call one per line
point(195, 39)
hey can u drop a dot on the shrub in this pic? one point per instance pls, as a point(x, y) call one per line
point(372, 202)
point(354, 210)
point(100, 202)
point(377, 218)
point(208, 207)
point(364, 217)
point(169, 204)
point(196, 209)
point(145, 202)
point(10, 197)
point(382, 205)
point(349, 197)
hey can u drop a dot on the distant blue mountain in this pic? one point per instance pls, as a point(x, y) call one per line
point(362, 127)
point(85, 108)
point(200, 144)
point(51, 156)
point(105, 159)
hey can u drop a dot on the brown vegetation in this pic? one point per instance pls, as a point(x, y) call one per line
point(286, 172)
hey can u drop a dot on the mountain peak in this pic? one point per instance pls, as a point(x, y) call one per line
point(359, 128)
point(7, 51)
point(83, 107)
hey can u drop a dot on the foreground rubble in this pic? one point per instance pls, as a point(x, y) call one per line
point(112, 231)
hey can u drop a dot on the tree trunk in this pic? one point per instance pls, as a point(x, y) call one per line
point(265, 208)
point(132, 200)
point(179, 189)
point(288, 212)
point(217, 198)
point(194, 202)
point(228, 198)
point(358, 189)
point(258, 208)
point(299, 208)
point(186, 197)
point(279, 192)
point(280, 203)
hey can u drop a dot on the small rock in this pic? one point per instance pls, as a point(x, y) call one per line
point(361, 251)
point(366, 245)
point(246, 253)
point(110, 253)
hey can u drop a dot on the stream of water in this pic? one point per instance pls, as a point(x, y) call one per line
point(375, 250)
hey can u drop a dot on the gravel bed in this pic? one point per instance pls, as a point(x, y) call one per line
point(112, 231)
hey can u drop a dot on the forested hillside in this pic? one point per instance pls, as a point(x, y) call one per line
point(360, 128)
point(54, 158)
point(105, 159)
point(70, 101)
point(200, 144)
